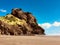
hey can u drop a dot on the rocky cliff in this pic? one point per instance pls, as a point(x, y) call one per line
point(19, 23)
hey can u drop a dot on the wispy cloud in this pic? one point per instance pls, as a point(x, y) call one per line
point(48, 25)
point(2, 10)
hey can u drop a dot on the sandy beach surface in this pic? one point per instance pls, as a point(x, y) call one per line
point(29, 40)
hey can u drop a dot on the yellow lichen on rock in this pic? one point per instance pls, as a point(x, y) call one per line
point(12, 20)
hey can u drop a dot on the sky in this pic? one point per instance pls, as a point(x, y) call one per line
point(47, 12)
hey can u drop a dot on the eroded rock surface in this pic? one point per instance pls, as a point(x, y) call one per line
point(19, 23)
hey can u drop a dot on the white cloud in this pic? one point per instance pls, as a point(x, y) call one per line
point(51, 28)
point(48, 25)
point(56, 24)
point(2, 10)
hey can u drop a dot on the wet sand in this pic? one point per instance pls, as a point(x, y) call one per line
point(29, 40)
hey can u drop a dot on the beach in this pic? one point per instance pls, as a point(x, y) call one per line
point(29, 40)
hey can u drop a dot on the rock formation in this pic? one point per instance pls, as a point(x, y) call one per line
point(19, 23)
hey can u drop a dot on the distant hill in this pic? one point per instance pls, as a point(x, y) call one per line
point(19, 23)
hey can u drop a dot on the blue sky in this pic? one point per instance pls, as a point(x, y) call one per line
point(45, 11)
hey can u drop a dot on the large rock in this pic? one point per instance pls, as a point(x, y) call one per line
point(19, 23)
point(30, 20)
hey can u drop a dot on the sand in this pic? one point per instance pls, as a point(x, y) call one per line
point(29, 40)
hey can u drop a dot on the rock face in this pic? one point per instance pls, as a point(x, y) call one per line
point(20, 23)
